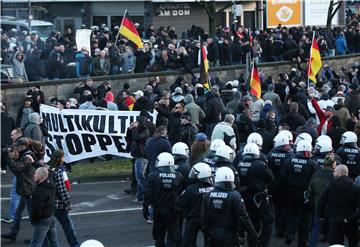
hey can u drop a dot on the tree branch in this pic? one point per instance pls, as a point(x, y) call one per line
point(336, 9)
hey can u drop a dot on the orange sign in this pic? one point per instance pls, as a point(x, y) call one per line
point(284, 12)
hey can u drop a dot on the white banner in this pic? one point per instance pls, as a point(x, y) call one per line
point(83, 134)
point(316, 13)
point(83, 39)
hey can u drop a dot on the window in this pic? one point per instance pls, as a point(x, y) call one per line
point(98, 20)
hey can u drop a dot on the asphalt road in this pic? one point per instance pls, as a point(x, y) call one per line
point(100, 210)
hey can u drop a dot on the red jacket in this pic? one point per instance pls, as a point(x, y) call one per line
point(321, 116)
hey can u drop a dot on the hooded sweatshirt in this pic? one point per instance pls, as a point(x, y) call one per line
point(19, 67)
point(32, 129)
point(109, 98)
point(195, 111)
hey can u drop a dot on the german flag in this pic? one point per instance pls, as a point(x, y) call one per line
point(128, 30)
point(204, 68)
point(315, 62)
point(255, 85)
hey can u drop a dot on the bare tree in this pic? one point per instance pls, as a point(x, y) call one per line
point(210, 8)
point(332, 12)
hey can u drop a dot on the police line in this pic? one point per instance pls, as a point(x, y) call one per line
point(83, 134)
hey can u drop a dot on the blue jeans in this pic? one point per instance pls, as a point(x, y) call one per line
point(68, 227)
point(140, 167)
point(114, 70)
point(25, 201)
point(14, 201)
point(315, 232)
point(45, 228)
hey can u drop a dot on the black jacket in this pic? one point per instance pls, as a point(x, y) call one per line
point(340, 199)
point(223, 215)
point(174, 124)
point(213, 109)
point(162, 188)
point(191, 199)
point(182, 165)
point(42, 201)
point(254, 174)
point(276, 159)
point(294, 120)
point(7, 125)
point(153, 147)
point(295, 176)
point(350, 156)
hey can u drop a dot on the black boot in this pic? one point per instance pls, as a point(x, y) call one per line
point(10, 236)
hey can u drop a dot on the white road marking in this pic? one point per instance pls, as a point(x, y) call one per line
point(119, 210)
point(114, 196)
point(5, 198)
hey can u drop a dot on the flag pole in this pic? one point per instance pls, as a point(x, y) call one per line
point(309, 65)
point(122, 21)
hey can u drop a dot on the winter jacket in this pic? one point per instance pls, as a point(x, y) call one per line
point(293, 119)
point(225, 132)
point(25, 183)
point(188, 132)
point(142, 61)
point(322, 118)
point(341, 45)
point(343, 113)
point(195, 111)
point(335, 135)
point(128, 63)
point(32, 130)
point(213, 109)
point(318, 183)
point(139, 137)
point(83, 64)
point(352, 102)
point(174, 124)
point(153, 147)
point(275, 99)
point(340, 199)
point(143, 103)
point(42, 201)
point(7, 125)
point(101, 70)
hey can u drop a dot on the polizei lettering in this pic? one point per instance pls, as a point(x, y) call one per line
point(218, 195)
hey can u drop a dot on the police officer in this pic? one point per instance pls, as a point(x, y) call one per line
point(252, 138)
point(276, 158)
point(191, 199)
point(295, 177)
point(223, 213)
point(181, 156)
point(290, 136)
point(255, 178)
point(322, 148)
point(161, 191)
point(209, 157)
point(303, 136)
point(349, 152)
point(224, 156)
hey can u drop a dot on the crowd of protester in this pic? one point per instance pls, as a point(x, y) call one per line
point(190, 122)
point(58, 57)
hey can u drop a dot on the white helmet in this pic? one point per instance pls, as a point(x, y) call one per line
point(255, 138)
point(324, 138)
point(226, 152)
point(200, 171)
point(251, 148)
point(164, 159)
point(215, 144)
point(303, 146)
point(281, 139)
point(224, 174)
point(180, 148)
point(289, 135)
point(323, 146)
point(91, 243)
point(303, 136)
point(348, 137)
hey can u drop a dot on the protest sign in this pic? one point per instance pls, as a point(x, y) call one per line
point(83, 134)
point(83, 39)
